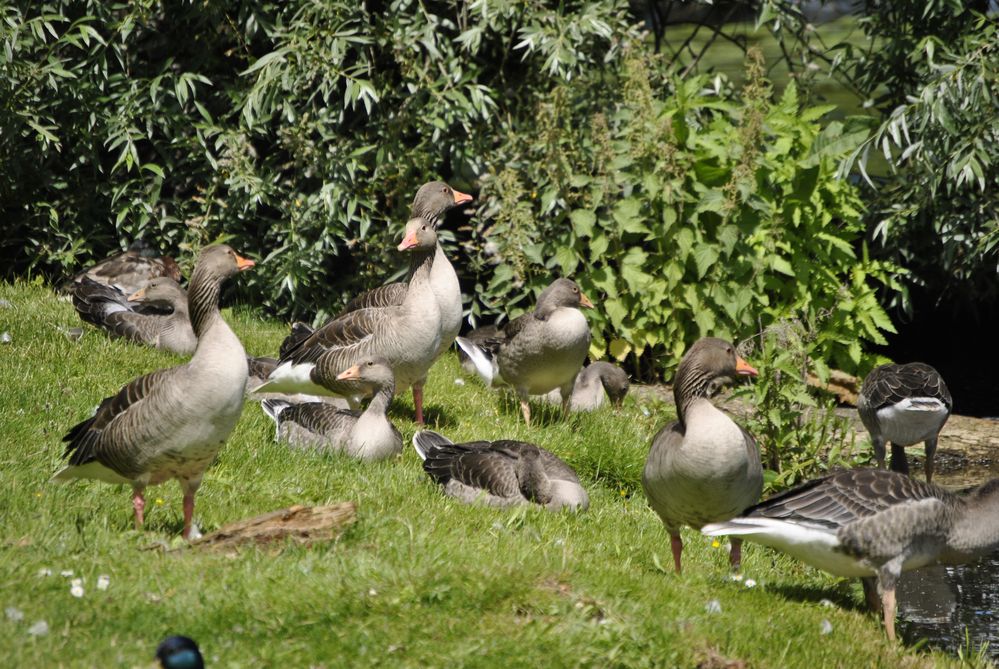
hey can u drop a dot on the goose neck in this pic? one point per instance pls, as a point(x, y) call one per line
point(203, 301)
point(690, 384)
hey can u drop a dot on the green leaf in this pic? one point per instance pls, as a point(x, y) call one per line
point(583, 221)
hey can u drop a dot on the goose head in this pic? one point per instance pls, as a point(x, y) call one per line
point(706, 367)
point(179, 652)
point(614, 380)
point(219, 262)
point(436, 198)
point(420, 235)
point(372, 372)
point(560, 293)
point(161, 290)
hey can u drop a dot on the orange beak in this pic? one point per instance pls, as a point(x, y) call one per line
point(462, 198)
point(243, 263)
point(137, 295)
point(584, 301)
point(409, 242)
point(351, 373)
point(743, 368)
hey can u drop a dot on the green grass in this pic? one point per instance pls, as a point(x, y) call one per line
point(418, 581)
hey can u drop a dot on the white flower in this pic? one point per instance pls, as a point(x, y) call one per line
point(43, 572)
point(372, 592)
point(66, 573)
point(826, 603)
point(736, 577)
point(14, 614)
point(713, 606)
point(750, 583)
point(76, 587)
point(459, 382)
point(41, 628)
point(103, 581)
point(825, 627)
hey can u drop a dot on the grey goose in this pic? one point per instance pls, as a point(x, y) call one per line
point(703, 467)
point(873, 524)
point(130, 270)
point(170, 424)
point(904, 405)
point(407, 336)
point(500, 473)
point(539, 351)
point(597, 382)
point(367, 435)
point(156, 314)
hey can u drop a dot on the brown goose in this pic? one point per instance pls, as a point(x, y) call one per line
point(433, 200)
point(500, 473)
point(596, 382)
point(873, 523)
point(170, 423)
point(368, 435)
point(166, 324)
point(407, 336)
point(904, 404)
point(538, 351)
point(703, 468)
point(131, 270)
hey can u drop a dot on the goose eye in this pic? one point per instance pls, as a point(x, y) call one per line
point(370, 363)
point(423, 228)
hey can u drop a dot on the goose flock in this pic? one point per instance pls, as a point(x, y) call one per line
point(703, 470)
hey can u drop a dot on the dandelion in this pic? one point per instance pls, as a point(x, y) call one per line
point(76, 587)
point(715, 543)
point(14, 614)
point(103, 581)
point(43, 572)
point(713, 606)
point(66, 573)
point(624, 493)
point(825, 627)
point(40, 628)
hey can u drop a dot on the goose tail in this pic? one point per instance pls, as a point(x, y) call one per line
point(485, 366)
point(424, 440)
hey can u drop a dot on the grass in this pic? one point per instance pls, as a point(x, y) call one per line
point(418, 581)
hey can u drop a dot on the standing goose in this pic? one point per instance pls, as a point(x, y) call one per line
point(904, 404)
point(129, 271)
point(500, 473)
point(703, 468)
point(368, 435)
point(596, 382)
point(873, 523)
point(433, 200)
point(538, 351)
point(165, 324)
point(170, 423)
point(406, 336)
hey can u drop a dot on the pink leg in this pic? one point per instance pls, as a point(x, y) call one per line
point(525, 408)
point(888, 611)
point(138, 505)
point(735, 554)
point(188, 514)
point(418, 402)
point(676, 543)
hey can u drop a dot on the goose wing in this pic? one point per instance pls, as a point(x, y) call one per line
point(390, 295)
point(489, 466)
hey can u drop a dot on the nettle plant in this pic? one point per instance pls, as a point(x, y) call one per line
point(686, 210)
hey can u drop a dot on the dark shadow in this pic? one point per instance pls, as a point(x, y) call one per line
point(846, 595)
point(402, 412)
point(543, 414)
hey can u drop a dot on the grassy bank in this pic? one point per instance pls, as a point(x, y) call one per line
point(418, 581)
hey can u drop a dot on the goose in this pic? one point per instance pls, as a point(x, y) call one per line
point(873, 524)
point(703, 467)
point(170, 424)
point(500, 473)
point(406, 335)
point(368, 435)
point(904, 404)
point(596, 381)
point(179, 652)
point(433, 200)
point(538, 351)
point(129, 271)
point(165, 324)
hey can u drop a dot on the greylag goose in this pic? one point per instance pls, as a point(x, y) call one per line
point(407, 336)
point(179, 652)
point(703, 467)
point(538, 351)
point(500, 473)
point(433, 200)
point(596, 381)
point(873, 523)
point(166, 325)
point(368, 435)
point(904, 404)
point(170, 423)
point(131, 270)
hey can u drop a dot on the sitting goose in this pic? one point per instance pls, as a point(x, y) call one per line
point(703, 468)
point(538, 351)
point(170, 423)
point(129, 271)
point(904, 404)
point(595, 382)
point(873, 523)
point(406, 336)
point(433, 200)
point(165, 324)
point(368, 435)
point(500, 473)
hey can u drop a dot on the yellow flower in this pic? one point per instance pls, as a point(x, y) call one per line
point(715, 543)
point(159, 501)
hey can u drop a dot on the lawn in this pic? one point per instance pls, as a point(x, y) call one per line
point(418, 581)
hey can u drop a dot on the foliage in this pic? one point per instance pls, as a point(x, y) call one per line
point(799, 434)
point(939, 212)
point(690, 212)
